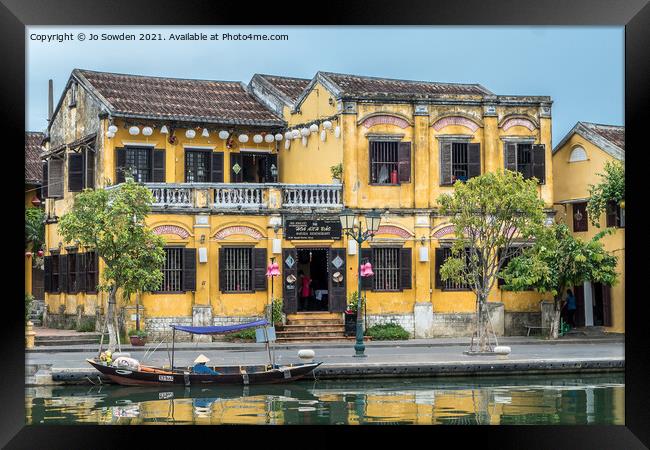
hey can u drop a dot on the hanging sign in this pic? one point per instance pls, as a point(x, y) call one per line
point(312, 229)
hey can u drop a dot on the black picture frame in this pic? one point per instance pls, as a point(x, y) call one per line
point(633, 14)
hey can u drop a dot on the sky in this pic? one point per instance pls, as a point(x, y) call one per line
point(580, 68)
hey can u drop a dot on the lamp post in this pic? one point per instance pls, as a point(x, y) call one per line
point(357, 233)
point(272, 271)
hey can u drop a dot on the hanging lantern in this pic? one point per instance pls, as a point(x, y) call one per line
point(243, 138)
point(304, 132)
point(327, 125)
point(147, 131)
point(313, 128)
point(295, 134)
point(278, 137)
point(110, 134)
point(288, 135)
point(112, 129)
point(258, 138)
point(337, 131)
point(323, 135)
point(164, 129)
point(304, 141)
point(287, 144)
point(269, 138)
point(134, 131)
point(205, 133)
point(190, 134)
point(223, 134)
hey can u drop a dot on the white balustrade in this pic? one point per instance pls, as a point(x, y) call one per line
point(240, 196)
point(312, 196)
point(172, 196)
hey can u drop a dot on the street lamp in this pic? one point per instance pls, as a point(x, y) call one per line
point(272, 271)
point(356, 232)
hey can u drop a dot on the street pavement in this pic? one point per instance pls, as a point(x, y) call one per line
point(405, 352)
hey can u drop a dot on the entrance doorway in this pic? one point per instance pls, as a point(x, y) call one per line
point(313, 293)
point(259, 167)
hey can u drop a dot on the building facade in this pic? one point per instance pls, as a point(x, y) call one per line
point(242, 174)
point(33, 199)
point(577, 160)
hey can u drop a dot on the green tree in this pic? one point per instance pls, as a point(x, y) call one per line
point(34, 228)
point(558, 260)
point(113, 223)
point(490, 213)
point(611, 188)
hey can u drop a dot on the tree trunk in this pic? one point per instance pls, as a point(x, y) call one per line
point(482, 332)
point(110, 320)
point(555, 324)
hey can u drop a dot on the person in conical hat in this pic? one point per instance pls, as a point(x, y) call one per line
point(200, 367)
point(201, 359)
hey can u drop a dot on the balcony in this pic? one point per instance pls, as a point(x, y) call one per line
point(245, 196)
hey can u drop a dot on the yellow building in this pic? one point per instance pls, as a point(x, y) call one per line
point(33, 198)
point(241, 174)
point(577, 161)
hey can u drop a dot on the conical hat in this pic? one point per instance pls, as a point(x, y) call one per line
point(201, 359)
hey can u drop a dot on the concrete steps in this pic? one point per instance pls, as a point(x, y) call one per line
point(80, 339)
point(312, 326)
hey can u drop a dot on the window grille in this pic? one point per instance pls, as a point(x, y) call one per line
point(451, 285)
point(72, 273)
point(91, 272)
point(173, 270)
point(384, 162)
point(197, 166)
point(138, 160)
point(238, 269)
point(525, 160)
point(386, 269)
point(459, 161)
point(55, 273)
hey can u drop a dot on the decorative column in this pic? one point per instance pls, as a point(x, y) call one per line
point(492, 152)
point(545, 138)
point(423, 309)
point(202, 309)
point(351, 175)
point(421, 155)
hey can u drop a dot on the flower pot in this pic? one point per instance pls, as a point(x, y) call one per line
point(350, 324)
point(137, 341)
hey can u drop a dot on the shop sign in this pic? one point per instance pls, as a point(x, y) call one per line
point(312, 229)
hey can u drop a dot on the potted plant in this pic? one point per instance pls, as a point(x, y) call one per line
point(138, 337)
point(337, 173)
point(276, 313)
point(351, 314)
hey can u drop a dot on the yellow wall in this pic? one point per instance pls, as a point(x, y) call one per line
point(572, 183)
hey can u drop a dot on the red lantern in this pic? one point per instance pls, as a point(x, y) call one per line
point(393, 176)
point(40, 253)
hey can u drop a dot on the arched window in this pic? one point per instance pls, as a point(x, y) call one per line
point(578, 154)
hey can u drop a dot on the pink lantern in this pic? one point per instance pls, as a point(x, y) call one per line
point(273, 270)
point(366, 270)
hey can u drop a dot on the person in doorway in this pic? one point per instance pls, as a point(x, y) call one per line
point(305, 289)
point(571, 308)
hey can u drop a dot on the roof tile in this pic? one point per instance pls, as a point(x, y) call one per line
point(33, 169)
point(291, 87)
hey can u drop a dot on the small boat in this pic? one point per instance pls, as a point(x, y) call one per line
point(143, 375)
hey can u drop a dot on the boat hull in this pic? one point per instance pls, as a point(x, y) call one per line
point(160, 377)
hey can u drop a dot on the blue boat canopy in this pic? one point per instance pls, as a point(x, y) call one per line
point(221, 329)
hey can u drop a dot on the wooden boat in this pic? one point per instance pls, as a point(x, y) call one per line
point(226, 375)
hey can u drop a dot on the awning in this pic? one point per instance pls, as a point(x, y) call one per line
point(221, 329)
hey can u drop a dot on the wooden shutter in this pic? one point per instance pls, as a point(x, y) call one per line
point(582, 224)
point(406, 272)
point(579, 315)
point(89, 160)
point(445, 163)
point(75, 172)
point(221, 270)
point(271, 160)
point(47, 274)
point(235, 158)
point(120, 163)
point(289, 291)
point(44, 180)
point(337, 294)
point(55, 178)
point(81, 272)
point(607, 305)
point(367, 283)
point(259, 269)
point(189, 269)
point(216, 167)
point(158, 165)
point(473, 160)
point(611, 214)
point(72, 288)
point(404, 162)
point(510, 156)
point(539, 162)
point(440, 259)
point(63, 273)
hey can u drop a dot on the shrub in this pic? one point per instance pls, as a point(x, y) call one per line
point(276, 312)
point(337, 171)
point(86, 326)
point(244, 335)
point(28, 305)
point(139, 333)
point(353, 302)
point(387, 332)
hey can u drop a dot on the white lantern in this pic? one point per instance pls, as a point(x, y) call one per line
point(278, 137)
point(243, 138)
point(269, 138)
point(288, 135)
point(287, 144)
point(134, 131)
point(323, 135)
point(313, 128)
point(295, 134)
point(205, 133)
point(258, 138)
point(190, 134)
point(223, 134)
point(337, 131)
point(112, 129)
point(304, 141)
point(147, 131)
point(164, 129)
point(110, 134)
point(327, 125)
point(305, 132)
point(423, 254)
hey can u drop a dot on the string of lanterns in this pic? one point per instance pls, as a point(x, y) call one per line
point(302, 131)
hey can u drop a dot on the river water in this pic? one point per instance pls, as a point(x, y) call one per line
point(530, 400)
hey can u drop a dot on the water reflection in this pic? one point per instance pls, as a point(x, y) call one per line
point(578, 399)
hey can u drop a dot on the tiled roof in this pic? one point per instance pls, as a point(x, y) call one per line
point(33, 168)
point(363, 86)
point(613, 133)
point(291, 87)
point(225, 102)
